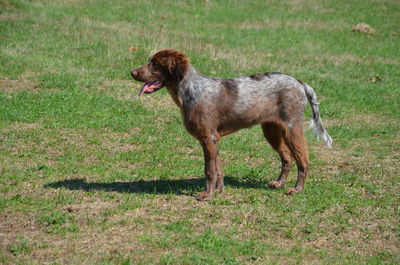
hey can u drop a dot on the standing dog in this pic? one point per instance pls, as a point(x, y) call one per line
point(214, 107)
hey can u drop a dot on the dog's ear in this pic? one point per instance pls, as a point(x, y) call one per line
point(170, 63)
point(177, 64)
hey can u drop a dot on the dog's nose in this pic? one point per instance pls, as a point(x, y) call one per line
point(134, 73)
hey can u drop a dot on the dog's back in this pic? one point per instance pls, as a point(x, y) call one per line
point(244, 101)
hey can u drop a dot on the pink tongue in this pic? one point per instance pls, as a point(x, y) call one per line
point(149, 87)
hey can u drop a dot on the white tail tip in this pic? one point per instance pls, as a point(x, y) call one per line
point(321, 133)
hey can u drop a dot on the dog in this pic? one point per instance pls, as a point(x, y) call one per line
point(214, 107)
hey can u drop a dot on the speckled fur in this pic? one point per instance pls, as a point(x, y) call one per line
point(214, 107)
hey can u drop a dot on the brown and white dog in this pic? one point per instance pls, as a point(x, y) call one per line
point(214, 107)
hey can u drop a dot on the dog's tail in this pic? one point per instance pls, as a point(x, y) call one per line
point(316, 122)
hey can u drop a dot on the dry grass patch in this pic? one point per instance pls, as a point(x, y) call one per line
point(13, 16)
point(316, 6)
point(339, 59)
point(21, 126)
point(10, 86)
point(295, 24)
point(46, 147)
point(346, 160)
point(358, 119)
point(158, 102)
point(125, 28)
point(240, 60)
point(129, 90)
point(364, 234)
point(14, 224)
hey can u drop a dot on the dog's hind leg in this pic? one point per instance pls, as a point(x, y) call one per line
point(274, 135)
point(296, 142)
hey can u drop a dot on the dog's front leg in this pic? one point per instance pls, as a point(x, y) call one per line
point(211, 167)
point(220, 175)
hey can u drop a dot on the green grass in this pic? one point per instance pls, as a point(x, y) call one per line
point(90, 174)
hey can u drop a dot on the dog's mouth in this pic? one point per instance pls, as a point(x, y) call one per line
point(151, 87)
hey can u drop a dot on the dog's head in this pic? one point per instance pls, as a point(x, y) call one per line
point(165, 68)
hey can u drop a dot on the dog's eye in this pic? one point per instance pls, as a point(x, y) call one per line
point(154, 63)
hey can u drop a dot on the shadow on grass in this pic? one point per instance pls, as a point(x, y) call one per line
point(181, 186)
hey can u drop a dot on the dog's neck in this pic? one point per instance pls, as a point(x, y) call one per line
point(187, 92)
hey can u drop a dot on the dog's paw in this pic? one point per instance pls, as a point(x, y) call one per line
point(203, 196)
point(276, 184)
point(292, 191)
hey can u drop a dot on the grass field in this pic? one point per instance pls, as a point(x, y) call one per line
point(90, 174)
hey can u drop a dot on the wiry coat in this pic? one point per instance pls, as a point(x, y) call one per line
point(214, 107)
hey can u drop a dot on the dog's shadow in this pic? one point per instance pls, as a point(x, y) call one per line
point(179, 186)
